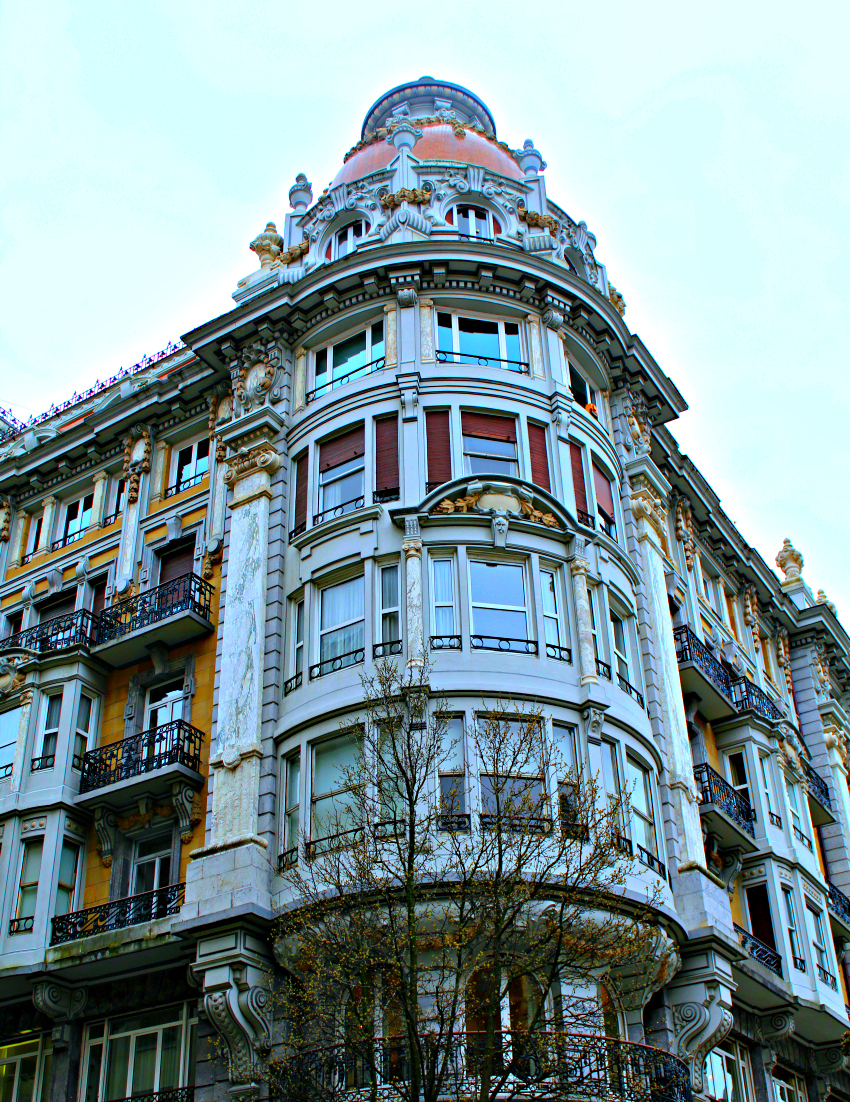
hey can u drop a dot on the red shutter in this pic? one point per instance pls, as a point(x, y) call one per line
point(489, 427)
point(301, 476)
point(99, 598)
point(342, 448)
point(386, 453)
point(174, 564)
point(539, 456)
point(439, 446)
point(604, 498)
point(578, 477)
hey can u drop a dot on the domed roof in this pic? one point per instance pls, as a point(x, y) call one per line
point(456, 126)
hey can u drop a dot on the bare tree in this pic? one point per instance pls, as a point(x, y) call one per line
point(444, 954)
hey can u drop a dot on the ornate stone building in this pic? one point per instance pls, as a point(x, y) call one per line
point(424, 427)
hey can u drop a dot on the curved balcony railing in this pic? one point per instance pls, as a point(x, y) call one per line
point(341, 510)
point(445, 642)
point(177, 1094)
point(117, 914)
point(759, 951)
point(494, 642)
point(174, 743)
point(631, 690)
point(75, 629)
point(188, 593)
point(748, 696)
point(185, 484)
point(386, 650)
point(717, 791)
point(337, 662)
point(603, 669)
point(292, 683)
point(827, 977)
point(817, 786)
point(331, 384)
point(482, 361)
point(839, 904)
point(690, 649)
point(560, 654)
point(536, 1065)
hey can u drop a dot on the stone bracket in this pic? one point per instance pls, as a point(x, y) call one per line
point(57, 1000)
point(701, 1019)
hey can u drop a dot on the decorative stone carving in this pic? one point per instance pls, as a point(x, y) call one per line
point(617, 300)
point(699, 1027)
point(59, 1001)
point(783, 657)
point(499, 524)
point(552, 319)
point(790, 562)
point(426, 330)
point(406, 296)
point(822, 599)
point(534, 220)
point(183, 797)
point(267, 245)
point(775, 1027)
point(733, 862)
point(5, 519)
point(301, 193)
point(685, 530)
point(249, 460)
point(751, 613)
point(638, 436)
point(820, 673)
point(105, 826)
point(647, 506)
point(494, 498)
point(593, 719)
point(420, 196)
point(137, 459)
point(11, 679)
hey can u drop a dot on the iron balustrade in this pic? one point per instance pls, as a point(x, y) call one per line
point(494, 642)
point(651, 861)
point(475, 237)
point(516, 824)
point(839, 904)
point(292, 683)
point(560, 654)
point(799, 964)
point(67, 539)
point(718, 791)
point(691, 649)
point(21, 925)
point(74, 629)
point(534, 1065)
point(756, 949)
point(298, 530)
point(622, 843)
point(338, 662)
point(174, 743)
point(826, 977)
point(6, 770)
point(176, 1094)
point(30, 555)
point(366, 369)
point(188, 593)
point(603, 669)
point(384, 650)
point(749, 697)
point(445, 642)
point(817, 786)
point(585, 518)
point(185, 484)
point(775, 819)
point(392, 493)
point(454, 822)
point(608, 526)
point(631, 690)
point(117, 914)
point(288, 859)
point(46, 761)
point(344, 507)
point(315, 847)
point(804, 838)
point(111, 518)
point(520, 366)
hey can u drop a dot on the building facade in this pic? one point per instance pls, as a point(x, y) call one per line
point(423, 429)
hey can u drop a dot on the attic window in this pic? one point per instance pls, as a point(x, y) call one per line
point(345, 240)
point(473, 222)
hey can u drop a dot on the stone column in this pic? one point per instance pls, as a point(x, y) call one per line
point(579, 567)
point(535, 359)
point(16, 547)
point(553, 322)
point(651, 523)
point(99, 502)
point(47, 523)
point(412, 548)
point(426, 330)
point(64, 1004)
point(391, 334)
point(158, 473)
point(299, 396)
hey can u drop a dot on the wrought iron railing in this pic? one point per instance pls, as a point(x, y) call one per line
point(338, 662)
point(603, 669)
point(110, 518)
point(385, 650)
point(804, 838)
point(748, 696)
point(21, 925)
point(298, 530)
point(691, 649)
point(367, 369)
point(392, 493)
point(631, 690)
point(75, 629)
point(717, 791)
point(30, 555)
point(315, 847)
point(67, 539)
point(288, 859)
point(561, 654)
point(494, 642)
point(188, 593)
point(651, 861)
point(340, 510)
point(453, 822)
point(535, 1065)
point(482, 361)
point(608, 526)
point(839, 904)
point(174, 743)
point(622, 843)
point(775, 819)
point(799, 963)
point(516, 824)
point(6, 770)
point(177, 1094)
point(585, 518)
point(817, 786)
point(292, 683)
point(759, 951)
point(826, 977)
point(185, 484)
point(117, 914)
point(445, 642)
point(46, 761)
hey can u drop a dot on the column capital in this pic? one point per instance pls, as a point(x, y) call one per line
point(411, 547)
point(100, 476)
point(48, 501)
point(579, 566)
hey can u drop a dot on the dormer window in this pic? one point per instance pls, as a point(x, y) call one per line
point(345, 241)
point(473, 222)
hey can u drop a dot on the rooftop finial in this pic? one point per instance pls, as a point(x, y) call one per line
point(790, 562)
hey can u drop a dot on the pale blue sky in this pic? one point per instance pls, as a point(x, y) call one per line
point(706, 144)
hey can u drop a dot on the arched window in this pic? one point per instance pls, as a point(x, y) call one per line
point(345, 241)
point(473, 222)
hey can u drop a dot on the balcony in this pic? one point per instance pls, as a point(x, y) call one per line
point(702, 674)
point(176, 1094)
point(749, 697)
point(75, 629)
point(839, 909)
point(172, 613)
point(117, 914)
point(760, 952)
point(537, 1065)
point(820, 802)
point(728, 814)
point(152, 759)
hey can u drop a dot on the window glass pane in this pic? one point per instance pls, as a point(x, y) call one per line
point(9, 723)
point(26, 1079)
point(349, 355)
point(548, 586)
point(116, 1068)
point(444, 332)
point(32, 862)
point(54, 707)
point(443, 581)
point(389, 587)
point(293, 780)
point(93, 1073)
point(333, 763)
point(451, 749)
point(444, 620)
point(511, 795)
point(340, 488)
point(84, 713)
point(146, 1020)
point(202, 456)
point(342, 603)
point(144, 1063)
point(481, 446)
point(636, 778)
point(377, 341)
point(565, 747)
point(579, 387)
point(513, 350)
point(169, 1060)
point(610, 772)
point(452, 794)
point(478, 338)
point(497, 584)
point(321, 365)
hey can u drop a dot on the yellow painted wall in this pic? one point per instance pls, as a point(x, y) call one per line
point(735, 905)
point(166, 502)
point(112, 730)
point(819, 852)
point(710, 743)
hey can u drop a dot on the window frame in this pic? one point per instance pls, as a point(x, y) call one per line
point(456, 816)
point(330, 382)
point(468, 454)
point(322, 632)
point(34, 531)
point(386, 645)
point(331, 793)
point(491, 222)
point(83, 510)
point(332, 248)
point(454, 355)
point(557, 617)
point(592, 392)
point(73, 887)
point(48, 736)
point(522, 564)
point(649, 820)
point(177, 484)
point(27, 845)
point(82, 735)
point(290, 846)
point(730, 1052)
point(451, 559)
point(792, 928)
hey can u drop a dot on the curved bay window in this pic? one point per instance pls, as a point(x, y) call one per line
point(473, 222)
point(510, 1013)
point(487, 342)
point(348, 358)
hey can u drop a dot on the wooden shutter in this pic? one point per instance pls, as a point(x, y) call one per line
point(386, 453)
point(439, 446)
point(578, 477)
point(350, 445)
point(604, 498)
point(488, 427)
point(301, 484)
point(99, 598)
point(539, 456)
point(61, 605)
point(174, 564)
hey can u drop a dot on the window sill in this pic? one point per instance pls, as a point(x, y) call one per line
point(327, 528)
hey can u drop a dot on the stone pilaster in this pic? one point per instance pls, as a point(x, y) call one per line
point(16, 546)
point(412, 548)
point(579, 567)
point(47, 523)
point(99, 498)
point(299, 394)
point(391, 334)
point(64, 1004)
point(535, 359)
point(158, 473)
point(426, 330)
